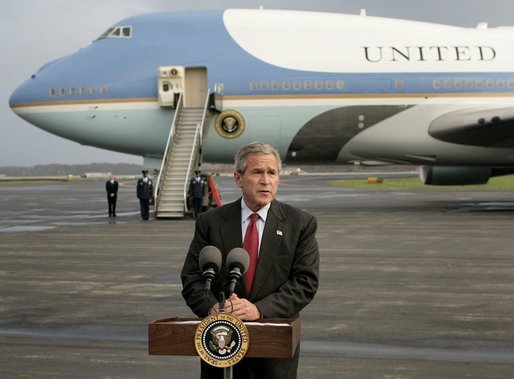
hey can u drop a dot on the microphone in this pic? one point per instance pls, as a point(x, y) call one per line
point(238, 261)
point(210, 263)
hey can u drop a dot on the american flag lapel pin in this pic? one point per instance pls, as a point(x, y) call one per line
point(279, 232)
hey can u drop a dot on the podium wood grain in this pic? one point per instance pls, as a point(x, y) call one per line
point(269, 338)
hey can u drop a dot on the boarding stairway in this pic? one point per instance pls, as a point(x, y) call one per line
point(181, 158)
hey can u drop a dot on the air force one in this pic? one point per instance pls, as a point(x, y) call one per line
point(182, 88)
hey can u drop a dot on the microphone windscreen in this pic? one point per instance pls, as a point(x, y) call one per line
point(238, 257)
point(210, 257)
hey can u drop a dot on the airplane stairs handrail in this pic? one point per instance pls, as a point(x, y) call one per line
point(205, 119)
point(167, 151)
point(196, 151)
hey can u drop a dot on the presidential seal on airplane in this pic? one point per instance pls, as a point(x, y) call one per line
point(230, 124)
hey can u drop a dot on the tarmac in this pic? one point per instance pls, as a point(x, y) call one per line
point(414, 283)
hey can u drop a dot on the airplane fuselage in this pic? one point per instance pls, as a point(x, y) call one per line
point(321, 87)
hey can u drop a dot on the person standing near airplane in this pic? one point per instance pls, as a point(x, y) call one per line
point(282, 277)
point(111, 187)
point(144, 194)
point(196, 192)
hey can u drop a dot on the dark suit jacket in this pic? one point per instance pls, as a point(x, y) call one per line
point(286, 279)
point(144, 190)
point(111, 188)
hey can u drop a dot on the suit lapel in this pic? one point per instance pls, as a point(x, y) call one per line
point(231, 228)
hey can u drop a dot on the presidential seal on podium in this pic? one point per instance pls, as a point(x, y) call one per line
point(221, 340)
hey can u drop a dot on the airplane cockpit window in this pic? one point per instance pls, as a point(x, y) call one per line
point(117, 32)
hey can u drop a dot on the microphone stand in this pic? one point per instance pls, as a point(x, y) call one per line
point(227, 371)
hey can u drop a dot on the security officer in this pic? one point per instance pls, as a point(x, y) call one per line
point(144, 194)
point(196, 191)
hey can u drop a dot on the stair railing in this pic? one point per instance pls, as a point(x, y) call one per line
point(167, 151)
point(205, 117)
point(193, 163)
point(195, 157)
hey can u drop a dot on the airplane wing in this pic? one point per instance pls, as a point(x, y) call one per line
point(479, 126)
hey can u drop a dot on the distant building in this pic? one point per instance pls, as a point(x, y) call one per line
point(96, 175)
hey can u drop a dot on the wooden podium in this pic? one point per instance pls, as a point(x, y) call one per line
point(277, 338)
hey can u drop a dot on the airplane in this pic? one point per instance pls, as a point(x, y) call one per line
point(323, 88)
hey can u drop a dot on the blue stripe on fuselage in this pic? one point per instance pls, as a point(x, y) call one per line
point(127, 67)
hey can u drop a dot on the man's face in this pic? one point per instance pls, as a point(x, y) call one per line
point(260, 180)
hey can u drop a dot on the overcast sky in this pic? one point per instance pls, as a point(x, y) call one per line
point(33, 32)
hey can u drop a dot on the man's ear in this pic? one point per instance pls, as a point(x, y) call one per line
point(238, 179)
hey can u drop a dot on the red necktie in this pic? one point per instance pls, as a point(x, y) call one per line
point(251, 245)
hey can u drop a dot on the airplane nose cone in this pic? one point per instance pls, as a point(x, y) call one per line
point(34, 89)
point(20, 93)
point(18, 98)
point(15, 99)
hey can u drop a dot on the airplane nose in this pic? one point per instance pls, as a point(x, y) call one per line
point(18, 98)
point(33, 89)
point(14, 99)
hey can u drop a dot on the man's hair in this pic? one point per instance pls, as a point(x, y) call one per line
point(243, 153)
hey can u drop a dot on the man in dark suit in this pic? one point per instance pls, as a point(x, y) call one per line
point(287, 268)
point(111, 187)
point(144, 194)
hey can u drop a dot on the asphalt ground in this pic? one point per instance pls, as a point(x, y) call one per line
point(414, 284)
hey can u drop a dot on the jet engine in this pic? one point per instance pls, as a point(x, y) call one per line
point(454, 176)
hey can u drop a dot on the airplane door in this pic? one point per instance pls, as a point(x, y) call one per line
point(195, 90)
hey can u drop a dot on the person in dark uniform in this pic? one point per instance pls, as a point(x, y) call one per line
point(111, 187)
point(144, 194)
point(196, 191)
point(282, 277)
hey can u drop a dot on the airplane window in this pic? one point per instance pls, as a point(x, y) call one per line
point(307, 84)
point(62, 91)
point(447, 83)
point(264, 86)
point(53, 92)
point(253, 86)
point(117, 32)
point(329, 84)
point(490, 83)
point(469, 83)
point(103, 90)
point(83, 90)
point(319, 84)
point(511, 83)
point(437, 84)
point(106, 33)
point(285, 85)
point(340, 85)
point(500, 83)
point(165, 87)
point(73, 91)
point(398, 84)
point(92, 90)
point(458, 83)
point(297, 85)
point(274, 86)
